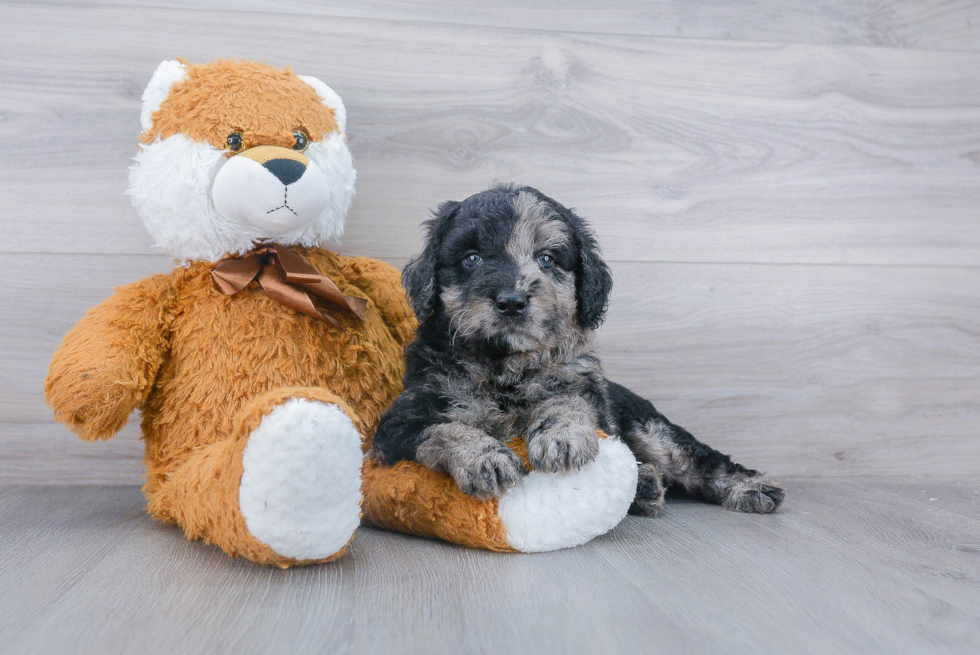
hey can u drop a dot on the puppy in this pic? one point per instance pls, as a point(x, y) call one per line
point(509, 290)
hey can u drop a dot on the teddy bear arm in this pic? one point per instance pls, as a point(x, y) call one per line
point(106, 364)
point(382, 283)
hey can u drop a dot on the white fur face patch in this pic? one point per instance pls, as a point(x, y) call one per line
point(197, 210)
point(278, 197)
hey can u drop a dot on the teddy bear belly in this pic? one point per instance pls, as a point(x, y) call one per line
point(226, 353)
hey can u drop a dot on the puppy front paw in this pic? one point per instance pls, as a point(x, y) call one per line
point(489, 473)
point(558, 446)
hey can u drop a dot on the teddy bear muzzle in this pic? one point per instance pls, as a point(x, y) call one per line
point(270, 188)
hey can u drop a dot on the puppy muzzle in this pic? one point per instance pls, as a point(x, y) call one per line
point(274, 189)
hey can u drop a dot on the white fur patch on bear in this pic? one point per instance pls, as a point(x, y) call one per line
point(333, 158)
point(248, 194)
point(549, 511)
point(170, 186)
point(330, 99)
point(168, 73)
point(301, 486)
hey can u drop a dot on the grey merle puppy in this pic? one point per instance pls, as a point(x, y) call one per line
point(508, 291)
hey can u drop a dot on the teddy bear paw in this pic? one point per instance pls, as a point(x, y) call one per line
point(548, 511)
point(300, 492)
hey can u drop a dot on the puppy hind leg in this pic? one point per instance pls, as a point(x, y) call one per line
point(707, 473)
point(685, 461)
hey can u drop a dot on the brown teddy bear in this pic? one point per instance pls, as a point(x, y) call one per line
point(262, 363)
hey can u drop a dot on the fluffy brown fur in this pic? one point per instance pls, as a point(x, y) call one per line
point(197, 107)
point(204, 368)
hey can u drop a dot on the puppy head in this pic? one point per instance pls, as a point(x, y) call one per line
point(236, 152)
point(512, 266)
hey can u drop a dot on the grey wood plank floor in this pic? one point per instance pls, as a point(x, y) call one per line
point(887, 565)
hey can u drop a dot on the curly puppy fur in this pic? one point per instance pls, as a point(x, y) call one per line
point(509, 290)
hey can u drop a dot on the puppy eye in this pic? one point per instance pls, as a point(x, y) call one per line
point(546, 261)
point(301, 140)
point(472, 261)
point(234, 141)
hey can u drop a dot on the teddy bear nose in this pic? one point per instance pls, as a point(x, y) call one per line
point(286, 170)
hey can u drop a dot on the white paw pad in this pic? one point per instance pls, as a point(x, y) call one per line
point(301, 484)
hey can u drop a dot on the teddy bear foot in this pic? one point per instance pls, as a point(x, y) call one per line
point(300, 490)
point(543, 512)
point(549, 511)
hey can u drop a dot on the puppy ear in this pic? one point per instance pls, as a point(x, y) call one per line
point(419, 274)
point(593, 279)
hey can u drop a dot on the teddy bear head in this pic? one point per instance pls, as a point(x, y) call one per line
point(234, 153)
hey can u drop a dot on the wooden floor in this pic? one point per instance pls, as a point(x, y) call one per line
point(848, 566)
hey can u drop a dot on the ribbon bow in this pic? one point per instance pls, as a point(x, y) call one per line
point(287, 277)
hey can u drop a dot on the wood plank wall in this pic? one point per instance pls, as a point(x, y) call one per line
point(788, 194)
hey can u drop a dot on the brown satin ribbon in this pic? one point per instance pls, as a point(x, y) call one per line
point(288, 278)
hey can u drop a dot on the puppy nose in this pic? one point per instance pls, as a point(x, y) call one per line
point(287, 170)
point(511, 303)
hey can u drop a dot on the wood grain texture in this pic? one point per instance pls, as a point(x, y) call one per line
point(807, 370)
point(800, 370)
point(679, 150)
point(929, 24)
point(870, 566)
point(793, 226)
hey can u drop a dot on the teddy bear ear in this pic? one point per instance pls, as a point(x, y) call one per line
point(330, 99)
point(165, 76)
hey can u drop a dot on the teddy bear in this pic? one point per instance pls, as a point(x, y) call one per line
point(262, 363)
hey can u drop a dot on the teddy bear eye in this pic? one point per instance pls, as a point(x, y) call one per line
point(234, 141)
point(301, 140)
